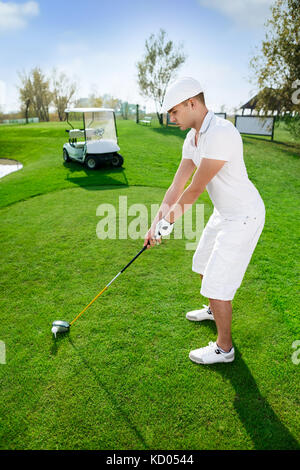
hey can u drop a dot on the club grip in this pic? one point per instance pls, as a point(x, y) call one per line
point(136, 256)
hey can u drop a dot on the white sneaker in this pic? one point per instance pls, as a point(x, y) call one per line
point(211, 354)
point(199, 315)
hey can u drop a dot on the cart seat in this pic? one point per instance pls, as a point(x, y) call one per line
point(76, 133)
point(78, 145)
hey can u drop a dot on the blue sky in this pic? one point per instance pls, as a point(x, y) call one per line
point(97, 43)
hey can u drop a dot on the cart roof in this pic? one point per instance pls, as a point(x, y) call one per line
point(87, 110)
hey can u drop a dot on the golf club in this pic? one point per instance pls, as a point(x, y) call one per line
point(59, 326)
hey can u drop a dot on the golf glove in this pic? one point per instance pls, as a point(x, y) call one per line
point(163, 228)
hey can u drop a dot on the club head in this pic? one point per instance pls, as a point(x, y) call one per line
point(59, 326)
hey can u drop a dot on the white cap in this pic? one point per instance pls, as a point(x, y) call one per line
point(179, 91)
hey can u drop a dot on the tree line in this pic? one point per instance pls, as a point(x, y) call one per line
point(37, 93)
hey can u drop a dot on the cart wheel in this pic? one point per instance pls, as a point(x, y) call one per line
point(66, 156)
point(117, 160)
point(91, 163)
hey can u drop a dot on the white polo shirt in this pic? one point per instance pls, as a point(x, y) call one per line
point(231, 191)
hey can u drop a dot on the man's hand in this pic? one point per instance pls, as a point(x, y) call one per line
point(163, 228)
point(150, 238)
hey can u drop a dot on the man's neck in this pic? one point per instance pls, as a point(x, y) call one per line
point(198, 123)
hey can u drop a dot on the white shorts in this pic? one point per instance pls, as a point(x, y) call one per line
point(224, 252)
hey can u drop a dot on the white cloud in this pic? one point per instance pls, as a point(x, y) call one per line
point(245, 13)
point(14, 16)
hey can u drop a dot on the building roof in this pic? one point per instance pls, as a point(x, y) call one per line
point(273, 98)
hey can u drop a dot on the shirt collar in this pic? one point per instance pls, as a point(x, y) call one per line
point(206, 122)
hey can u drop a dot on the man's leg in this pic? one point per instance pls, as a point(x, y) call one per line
point(222, 314)
point(222, 310)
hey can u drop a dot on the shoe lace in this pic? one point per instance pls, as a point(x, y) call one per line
point(208, 309)
point(211, 345)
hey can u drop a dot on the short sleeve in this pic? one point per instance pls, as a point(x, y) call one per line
point(219, 144)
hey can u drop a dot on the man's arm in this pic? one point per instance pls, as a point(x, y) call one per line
point(182, 175)
point(207, 169)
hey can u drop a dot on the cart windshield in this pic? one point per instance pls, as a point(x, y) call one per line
point(100, 125)
point(75, 120)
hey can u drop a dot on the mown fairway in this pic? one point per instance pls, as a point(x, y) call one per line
point(122, 378)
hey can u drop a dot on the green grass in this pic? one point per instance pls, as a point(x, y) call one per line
point(122, 378)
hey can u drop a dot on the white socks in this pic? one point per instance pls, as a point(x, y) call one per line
point(222, 350)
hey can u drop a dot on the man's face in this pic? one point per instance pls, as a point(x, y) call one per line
point(182, 115)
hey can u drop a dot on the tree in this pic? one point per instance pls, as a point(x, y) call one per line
point(27, 106)
point(110, 102)
point(62, 91)
point(159, 65)
point(25, 94)
point(124, 109)
point(95, 101)
point(277, 67)
point(35, 88)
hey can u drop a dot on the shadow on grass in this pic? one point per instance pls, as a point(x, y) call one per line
point(103, 176)
point(55, 342)
point(261, 423)
point(111, 397)
point(257, 416)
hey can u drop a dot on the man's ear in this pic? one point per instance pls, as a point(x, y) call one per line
point(192, 102)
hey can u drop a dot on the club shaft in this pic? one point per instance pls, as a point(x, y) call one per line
point(106, 287)
point(133, 259)
point(113, 279)
point(76, 318)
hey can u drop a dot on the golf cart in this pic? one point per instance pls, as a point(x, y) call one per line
point(92, 137)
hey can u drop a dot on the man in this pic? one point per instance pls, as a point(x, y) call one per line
point(213, 147)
